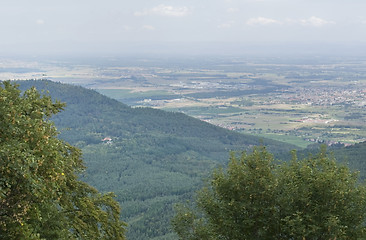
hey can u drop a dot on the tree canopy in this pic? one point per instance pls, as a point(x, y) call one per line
point(254, 198)
point(40, 194)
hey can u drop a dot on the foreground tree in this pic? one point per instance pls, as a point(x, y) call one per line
point(40, 194)
point(253, 198)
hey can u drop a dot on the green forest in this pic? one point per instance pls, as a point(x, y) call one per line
point(152, 159)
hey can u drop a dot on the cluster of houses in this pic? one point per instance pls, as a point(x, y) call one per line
point(107, 140)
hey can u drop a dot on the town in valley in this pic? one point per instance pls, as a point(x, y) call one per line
point(300, 100)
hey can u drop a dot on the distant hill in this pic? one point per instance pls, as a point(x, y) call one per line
point(150, 158)
point(354, 156)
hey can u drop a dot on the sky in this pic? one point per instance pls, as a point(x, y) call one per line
point(121, 26)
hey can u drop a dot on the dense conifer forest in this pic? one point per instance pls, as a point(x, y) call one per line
point(154, 158)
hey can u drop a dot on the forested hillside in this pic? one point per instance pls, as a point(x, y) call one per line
point(150, 158)
point(354, 156)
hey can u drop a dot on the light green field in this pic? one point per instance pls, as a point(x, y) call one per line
point(297, 141)
point(292, 100)
point(129, 93)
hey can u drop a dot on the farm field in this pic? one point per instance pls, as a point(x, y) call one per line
point(297, 100)
point(300, 102)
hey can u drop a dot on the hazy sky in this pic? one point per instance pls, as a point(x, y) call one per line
point(127, 25)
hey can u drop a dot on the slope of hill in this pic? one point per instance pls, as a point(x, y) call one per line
point(353, 156)
point(150, 158)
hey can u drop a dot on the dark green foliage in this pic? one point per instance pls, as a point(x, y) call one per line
point(314, 198)
point(155, 159)
point(353, 156)
point(41, 196)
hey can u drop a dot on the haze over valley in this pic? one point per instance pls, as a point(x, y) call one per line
point(302, 100)
point(163, 98)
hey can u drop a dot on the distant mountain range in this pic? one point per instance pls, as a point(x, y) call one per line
point(150, 158)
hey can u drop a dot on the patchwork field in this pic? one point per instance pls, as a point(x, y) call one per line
point(297, 100)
